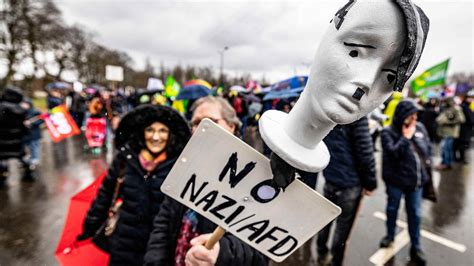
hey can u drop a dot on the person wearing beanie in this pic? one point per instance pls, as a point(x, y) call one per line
point(405, 164)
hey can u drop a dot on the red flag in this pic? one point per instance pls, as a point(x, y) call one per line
point(60, 123)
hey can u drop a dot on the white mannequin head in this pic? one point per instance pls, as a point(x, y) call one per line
point(370, 49)
point(362, 55)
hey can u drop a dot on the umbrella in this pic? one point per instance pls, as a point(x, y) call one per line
point(255, 108)
point(194, 89)
point(282, 94)
point(252, 98)
point(90, 90)
point(432, 94)
point(238, 88)
point(58, 85)
point(70, 252)
point(291, 83)
point(266, 89)
point(197, 82)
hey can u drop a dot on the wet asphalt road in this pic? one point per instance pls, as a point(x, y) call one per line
point(32, 214)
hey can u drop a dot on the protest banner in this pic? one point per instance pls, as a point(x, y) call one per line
point(60, 123)
point(225, 180)
point(113, 73)
point(155, 84)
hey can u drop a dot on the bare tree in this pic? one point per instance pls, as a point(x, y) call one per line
point(13, 36)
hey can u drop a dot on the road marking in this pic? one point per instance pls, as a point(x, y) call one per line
point(385, 254)
point(441, 240)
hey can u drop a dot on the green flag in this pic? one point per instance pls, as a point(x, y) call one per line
point(434, 76)
point(172, 87)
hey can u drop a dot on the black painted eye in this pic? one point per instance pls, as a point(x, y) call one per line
point(354, 53)
point(390, 78)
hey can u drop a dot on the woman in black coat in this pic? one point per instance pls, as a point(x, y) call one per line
point(149, 139)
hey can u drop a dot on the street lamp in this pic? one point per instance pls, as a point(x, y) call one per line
point(221, 52)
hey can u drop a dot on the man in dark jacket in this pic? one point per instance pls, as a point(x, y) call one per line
point(461, 144)
point(406, 162)
point(54, 98)
point(349, 175)
point(179, 233)
point(32, 140)
point(12, 129)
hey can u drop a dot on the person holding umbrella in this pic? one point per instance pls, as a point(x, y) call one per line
point(149, 139)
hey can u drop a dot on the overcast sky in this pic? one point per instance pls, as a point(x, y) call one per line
point(274, 38)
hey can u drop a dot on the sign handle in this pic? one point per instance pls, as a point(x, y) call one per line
point(216, 235)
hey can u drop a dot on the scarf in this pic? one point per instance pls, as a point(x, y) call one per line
point(148, 162)
point(187, 232)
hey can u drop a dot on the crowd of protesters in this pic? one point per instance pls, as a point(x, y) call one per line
point(149, 136)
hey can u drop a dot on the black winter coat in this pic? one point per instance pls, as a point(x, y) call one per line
point(401, 166)
point(34, 131)
point(167, 224)
point(142, 199)
point(465, 133)
point(352, 156)
point(12, 130)
point(53, 102)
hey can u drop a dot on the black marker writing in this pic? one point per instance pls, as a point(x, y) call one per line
point(231, 165)
point(281, 244)
point(229, 203)
point(256, 227)
point(192, 182)
point(241, 220)
point(209, 199)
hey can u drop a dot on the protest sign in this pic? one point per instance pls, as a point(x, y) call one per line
point(155, 84)
point(60, 123)
point(230, 183)
point(113, 73)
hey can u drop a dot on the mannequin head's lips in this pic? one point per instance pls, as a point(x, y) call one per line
point(358, 94)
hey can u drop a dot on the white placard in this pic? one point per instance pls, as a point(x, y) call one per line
point(228, 182)
point(113, 73)
point(77, 86)
point(154, 84)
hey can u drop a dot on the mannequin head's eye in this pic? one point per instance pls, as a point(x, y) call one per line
point(390, 78)
point(354, 53)
point(391, 75)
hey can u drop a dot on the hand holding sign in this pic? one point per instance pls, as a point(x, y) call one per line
point(229, 183)
point(200, 254)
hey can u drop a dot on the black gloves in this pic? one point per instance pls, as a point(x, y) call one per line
point(83, 237)
point(283, 173)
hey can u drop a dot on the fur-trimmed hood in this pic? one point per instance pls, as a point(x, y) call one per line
point(132, 126)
